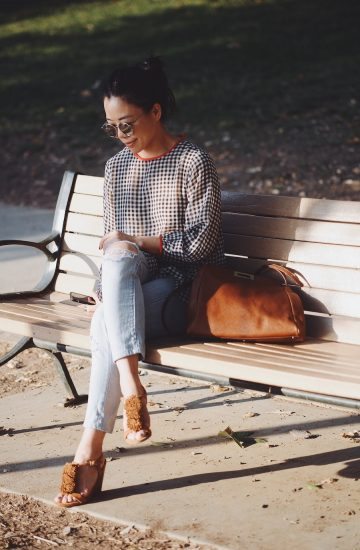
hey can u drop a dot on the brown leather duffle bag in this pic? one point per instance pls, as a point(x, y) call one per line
point(225, 303)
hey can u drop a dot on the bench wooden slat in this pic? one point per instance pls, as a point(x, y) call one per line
point(301, 351)
point(85, 244)
point(292, 229)
point(45, 307)
point(250, 369)
point(53, 317)
point(337, 329)
point(86, 204)
point(66, 283)
point(78, 337)
point(89, 185)
point(85, 224)
point(331, 302)
point(298, 251)
point(291, 207)
point(300, 362)
point(316, 276)
point(79, 263)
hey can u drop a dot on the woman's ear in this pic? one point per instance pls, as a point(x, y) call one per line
point(156, 111)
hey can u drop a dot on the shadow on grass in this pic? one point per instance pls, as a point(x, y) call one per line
point(229, 63)
point(243, 71)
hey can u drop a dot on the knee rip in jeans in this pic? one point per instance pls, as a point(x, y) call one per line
point(122, 248)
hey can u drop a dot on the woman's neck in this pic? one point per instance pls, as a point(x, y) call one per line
point(162, 142)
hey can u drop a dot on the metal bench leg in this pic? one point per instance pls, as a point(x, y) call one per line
point(62, 369)
point(21, 345)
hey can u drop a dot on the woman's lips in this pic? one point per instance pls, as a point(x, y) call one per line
point(130, 143)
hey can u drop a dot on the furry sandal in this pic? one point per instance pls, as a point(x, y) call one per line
point(69, 481)
point(136, 417)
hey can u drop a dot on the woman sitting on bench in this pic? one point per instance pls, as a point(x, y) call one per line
point(162, 222)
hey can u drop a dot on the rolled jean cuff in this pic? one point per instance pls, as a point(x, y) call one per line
point(100, 425)
point(137, 349)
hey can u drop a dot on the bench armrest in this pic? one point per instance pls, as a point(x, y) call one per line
point(40, 245)
point(50, 270)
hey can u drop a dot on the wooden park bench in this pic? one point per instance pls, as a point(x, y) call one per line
point(319, 239)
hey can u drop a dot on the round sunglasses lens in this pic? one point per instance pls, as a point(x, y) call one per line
point(110, 130)
point(125, 128)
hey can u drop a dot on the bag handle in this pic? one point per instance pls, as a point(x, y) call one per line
point(284, 272)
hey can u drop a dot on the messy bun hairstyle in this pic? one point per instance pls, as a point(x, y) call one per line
point(143, 85)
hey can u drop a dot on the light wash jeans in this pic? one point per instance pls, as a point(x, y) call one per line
point(130, 312)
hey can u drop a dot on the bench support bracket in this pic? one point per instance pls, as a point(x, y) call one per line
point(21, 345)
point(65, 376)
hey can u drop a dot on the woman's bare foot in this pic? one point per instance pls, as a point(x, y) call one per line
point(86, 478)
point(136, 418)
point(89, 449)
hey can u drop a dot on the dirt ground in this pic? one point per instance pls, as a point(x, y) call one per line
point(28, 523)
point(31, 369)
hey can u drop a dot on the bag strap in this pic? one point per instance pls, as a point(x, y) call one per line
point(284, 272)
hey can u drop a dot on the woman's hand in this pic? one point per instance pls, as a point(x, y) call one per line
point(148, 244)
point(114, 236)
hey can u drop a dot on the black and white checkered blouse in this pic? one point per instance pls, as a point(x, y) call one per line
point(175, 195)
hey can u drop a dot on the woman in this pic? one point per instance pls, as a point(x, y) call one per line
point(162, 222)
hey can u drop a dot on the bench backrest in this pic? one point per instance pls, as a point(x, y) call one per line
point(319, 239)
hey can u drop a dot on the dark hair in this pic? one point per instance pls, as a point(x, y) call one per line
point(143, 84)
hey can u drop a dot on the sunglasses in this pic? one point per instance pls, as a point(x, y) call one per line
point(126, 128)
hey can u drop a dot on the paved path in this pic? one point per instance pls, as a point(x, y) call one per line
point(190, 482)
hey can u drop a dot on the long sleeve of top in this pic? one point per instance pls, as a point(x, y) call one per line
point(177, 196)
point(199, 234)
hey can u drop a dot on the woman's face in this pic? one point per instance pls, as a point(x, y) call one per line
point(144, 125)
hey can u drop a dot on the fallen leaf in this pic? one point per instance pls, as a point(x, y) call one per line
point(180, 409)
point(281, 411)
point(243, 439)
point(161, 444)
point(218, 388)
point(312, 485)
point(329, 480)
point(354, 436)
point(303, 434)
point(250, 414)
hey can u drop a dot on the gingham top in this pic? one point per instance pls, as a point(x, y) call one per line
point(175, 195)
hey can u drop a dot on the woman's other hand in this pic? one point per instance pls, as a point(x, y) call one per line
point(114, 236)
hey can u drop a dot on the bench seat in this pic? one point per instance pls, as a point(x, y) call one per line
point(313, 364)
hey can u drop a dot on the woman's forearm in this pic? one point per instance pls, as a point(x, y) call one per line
point(149, 244)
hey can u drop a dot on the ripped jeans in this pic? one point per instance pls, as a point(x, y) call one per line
point(130, 313)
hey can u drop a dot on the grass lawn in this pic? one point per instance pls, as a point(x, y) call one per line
point(235, 66)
